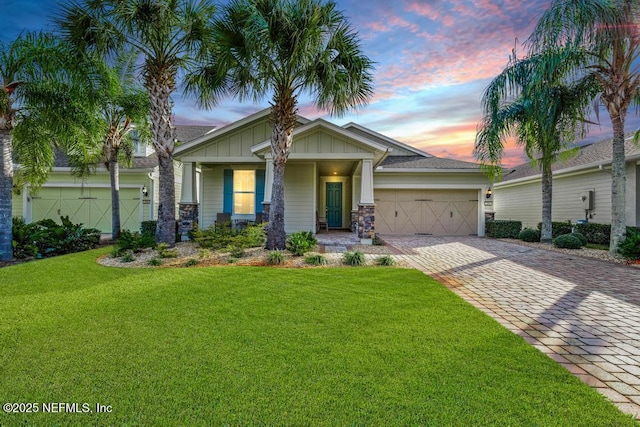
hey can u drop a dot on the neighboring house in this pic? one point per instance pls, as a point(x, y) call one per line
point(88, 201)
point(350, 175)
point(581, 188)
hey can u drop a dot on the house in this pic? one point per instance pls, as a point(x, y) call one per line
point(581, 188)
point(352, 176)
point(88, 201)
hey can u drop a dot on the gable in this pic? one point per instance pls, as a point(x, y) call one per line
point(237, 143)
point(232, 142)
point(323, 142)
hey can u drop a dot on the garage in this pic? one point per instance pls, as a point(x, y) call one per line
point(90, 206)
point(429, 212)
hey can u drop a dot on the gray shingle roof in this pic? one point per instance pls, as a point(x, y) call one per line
point(186, 133)
point(421, 162)
point(183, 134)
point(588, 155)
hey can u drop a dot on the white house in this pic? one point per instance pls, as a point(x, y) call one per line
point(350, 175)
point(581, 188)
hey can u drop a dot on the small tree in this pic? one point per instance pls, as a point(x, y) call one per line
point(41, 106)
point(544, 118)
point(607, 34)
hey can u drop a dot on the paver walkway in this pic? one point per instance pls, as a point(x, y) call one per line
point(581, 312)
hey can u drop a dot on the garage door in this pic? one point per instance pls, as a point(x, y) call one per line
point(435, 212)
point(88, 206)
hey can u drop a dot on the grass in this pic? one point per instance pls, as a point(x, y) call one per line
point(262, 346)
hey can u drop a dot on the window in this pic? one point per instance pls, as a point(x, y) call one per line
point(139, 147)
point(244, 192)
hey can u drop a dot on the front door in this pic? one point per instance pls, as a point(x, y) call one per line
point(334, 204)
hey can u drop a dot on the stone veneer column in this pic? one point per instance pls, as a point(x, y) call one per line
point(354, 221)
point(266, 207)
point(366, 223)
point(188, 219)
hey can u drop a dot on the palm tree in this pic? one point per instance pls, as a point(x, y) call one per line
point(607, 33)
point(122, 107)
point(544, 118)
point(40, 106)
point(171, 37)
point(285, 48)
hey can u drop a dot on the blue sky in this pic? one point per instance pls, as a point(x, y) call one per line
point(434, 59)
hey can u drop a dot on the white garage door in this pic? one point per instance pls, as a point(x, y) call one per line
point(88, 206)
point(435, 212)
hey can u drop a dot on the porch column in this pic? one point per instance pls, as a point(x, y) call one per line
point(366, 183)
point(188, 207)
point(366, 207)
point(268, 184)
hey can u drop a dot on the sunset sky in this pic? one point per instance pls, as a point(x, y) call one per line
point(434, 59)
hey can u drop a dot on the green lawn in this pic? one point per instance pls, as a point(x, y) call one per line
point(267, 346)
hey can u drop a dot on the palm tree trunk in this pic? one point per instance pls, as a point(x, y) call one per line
point(6, 194)
point(114, 175)
point(618, 186)
point(546, 236)
point(283, 120)
point(163, 132)
point(276, 236)
point(166, 228)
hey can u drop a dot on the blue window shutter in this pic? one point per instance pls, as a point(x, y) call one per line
point(227, 204)
point(259, 190)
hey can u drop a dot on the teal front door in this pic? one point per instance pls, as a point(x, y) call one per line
point(334, 204)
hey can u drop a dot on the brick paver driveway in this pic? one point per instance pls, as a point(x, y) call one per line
point(583, 313)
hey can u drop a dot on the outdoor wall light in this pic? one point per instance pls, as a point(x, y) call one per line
point(488, 193)
point(145, 192)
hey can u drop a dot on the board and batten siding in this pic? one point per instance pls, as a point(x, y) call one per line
point(212, 194)
point(299, 197)
point(237, 143)
point(322, 142)
point(523, 202)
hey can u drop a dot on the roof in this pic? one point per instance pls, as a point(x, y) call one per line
point(421, 162)
point(382, 139)
point(186, 133)
point(591, 155)
point(183, 133)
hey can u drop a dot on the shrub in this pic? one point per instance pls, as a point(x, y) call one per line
point(377, 241)
point(567, 241)
point(353, 258)
point(301, 242)
point(630, 246)
point(222, 237)
point(385, 261)
point(529, 235)
point(204, 253)
point(128, 257)
point(315, 259)
point(236, 251)
point(275, 258)
point(558, 228)
point(499, 229)
point(579, 236)
point(595, 233)
point(47, 238)
point(191, 262)
point(135, 242)
point(155, 261)
point(165, 252)
point(148, 228)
